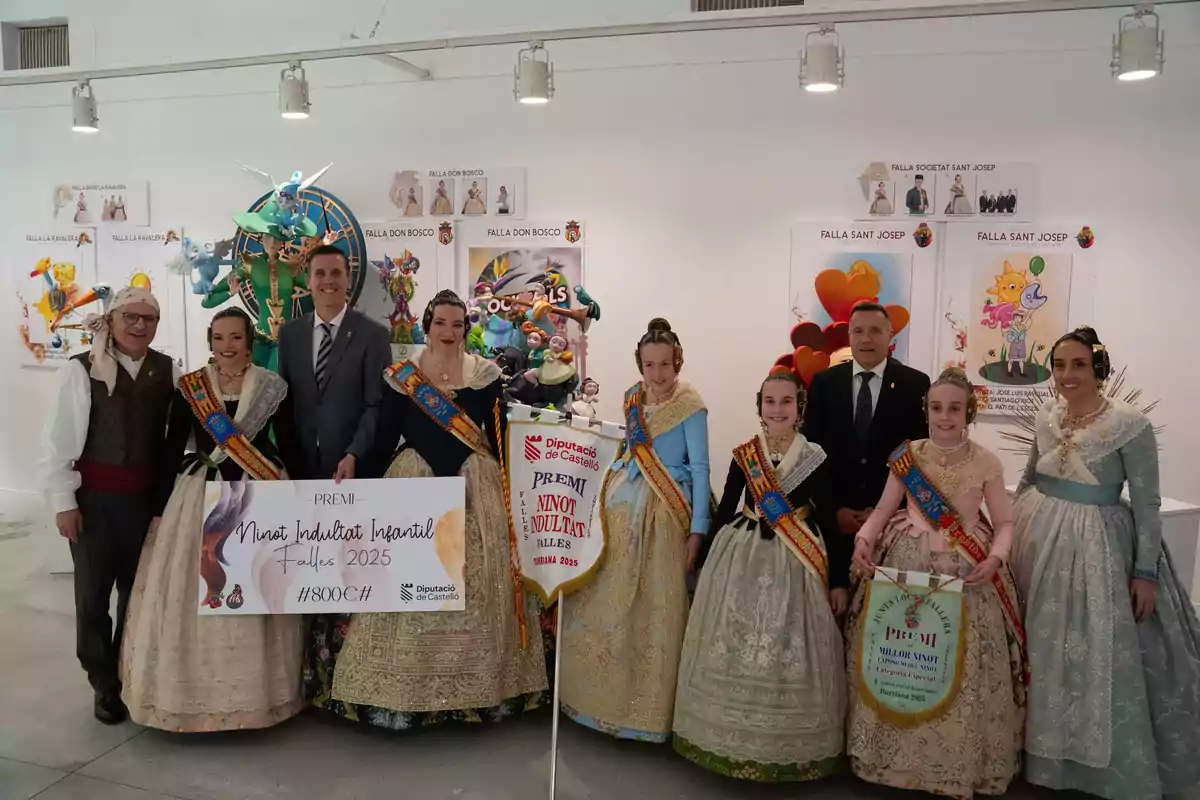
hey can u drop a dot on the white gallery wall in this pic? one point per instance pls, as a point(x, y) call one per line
point(688, 157)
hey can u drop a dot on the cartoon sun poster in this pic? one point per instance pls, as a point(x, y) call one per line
point(55, 275)
point(1020, 306)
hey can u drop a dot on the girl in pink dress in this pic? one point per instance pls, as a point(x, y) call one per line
point(974, 744)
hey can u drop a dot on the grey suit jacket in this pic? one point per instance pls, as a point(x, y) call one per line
point(325, 423)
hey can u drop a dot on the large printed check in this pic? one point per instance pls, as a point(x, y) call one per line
point(305, 547)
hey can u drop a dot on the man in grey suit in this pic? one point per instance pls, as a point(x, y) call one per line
point(333, 361)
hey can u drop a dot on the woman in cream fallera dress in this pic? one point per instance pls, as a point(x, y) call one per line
point(881, 205)
point(762, 687)
point(190, 673)
point(441, 201)
point(973, 744)
point(976, 745)
point(959, 203)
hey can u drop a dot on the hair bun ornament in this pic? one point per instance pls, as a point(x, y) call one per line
point(954, 373)
point(658, 324)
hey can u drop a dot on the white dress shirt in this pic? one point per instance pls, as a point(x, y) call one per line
point(65, 433)
point(319, 335)
point(876, 384)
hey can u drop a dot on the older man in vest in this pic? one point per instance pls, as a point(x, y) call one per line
point(102, 451)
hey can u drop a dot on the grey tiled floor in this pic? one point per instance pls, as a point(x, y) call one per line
point(52, 749)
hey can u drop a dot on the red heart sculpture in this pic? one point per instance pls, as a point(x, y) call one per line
point(837, 336)
point(838, 291)
point(808, 362)
point(899, 316)
point(787, 361)
point(808, 333)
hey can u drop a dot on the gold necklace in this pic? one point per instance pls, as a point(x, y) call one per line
point(444, 374)
point(651, 400)
point(1071, 424)
point(235, 375)
point(949, 476)
point(777, 446)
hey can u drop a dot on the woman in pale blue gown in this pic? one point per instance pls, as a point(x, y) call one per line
point(1114, 643)
point(623, 632)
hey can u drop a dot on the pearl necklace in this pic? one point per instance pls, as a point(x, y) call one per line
point(947, 451)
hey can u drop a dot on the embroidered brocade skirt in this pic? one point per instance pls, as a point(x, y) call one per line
point(762, 686)
point(1114, 704)
point(190, 673)
point(408, 670)
point(975, 746)
point(622, 633)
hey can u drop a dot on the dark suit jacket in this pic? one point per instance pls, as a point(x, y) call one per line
point(913, 200)
point(342, 415)
point(859, 474)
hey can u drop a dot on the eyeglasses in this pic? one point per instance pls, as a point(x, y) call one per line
point(132, 319)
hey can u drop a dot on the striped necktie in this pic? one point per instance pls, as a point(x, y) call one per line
point(323, 352)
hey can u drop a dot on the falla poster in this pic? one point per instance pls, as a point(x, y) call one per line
point(1010, 291)
point(945, 190)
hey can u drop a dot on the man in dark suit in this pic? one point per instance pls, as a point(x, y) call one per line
point(860, 411)
point(917, 199)
point(333, 361)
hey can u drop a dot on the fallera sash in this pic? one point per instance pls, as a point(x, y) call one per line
point(640, 446)
point(943, 517)
point(787, 522)
point(206, 404)
point(409, 381)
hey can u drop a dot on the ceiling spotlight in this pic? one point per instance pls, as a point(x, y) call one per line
point(83, 109)
point(822, 64)
point(293, 92)
point(1138, 46)
point(533, 77)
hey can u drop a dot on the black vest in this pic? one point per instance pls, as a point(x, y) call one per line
point(127, 428)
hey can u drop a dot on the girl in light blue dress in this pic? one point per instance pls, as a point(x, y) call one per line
point(622, 633)
point(1114, 643)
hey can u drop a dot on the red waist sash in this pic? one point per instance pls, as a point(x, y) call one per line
point(114, 477)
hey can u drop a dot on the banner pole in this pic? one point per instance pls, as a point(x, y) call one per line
point(557, 678)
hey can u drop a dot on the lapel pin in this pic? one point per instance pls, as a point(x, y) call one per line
point(891, 386)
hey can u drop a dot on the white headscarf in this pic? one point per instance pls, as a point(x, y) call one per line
point(104, 351)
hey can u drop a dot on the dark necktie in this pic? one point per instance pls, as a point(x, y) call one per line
point(862, 408)
point(323, 352)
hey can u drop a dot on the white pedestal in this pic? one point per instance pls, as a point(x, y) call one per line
point(1181, 530)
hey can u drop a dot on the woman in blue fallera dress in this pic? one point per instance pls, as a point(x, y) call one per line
point(622, 634)
point(1114, 643)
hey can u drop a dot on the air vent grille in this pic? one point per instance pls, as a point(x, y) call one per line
point(741, 5)
point(44, 46)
